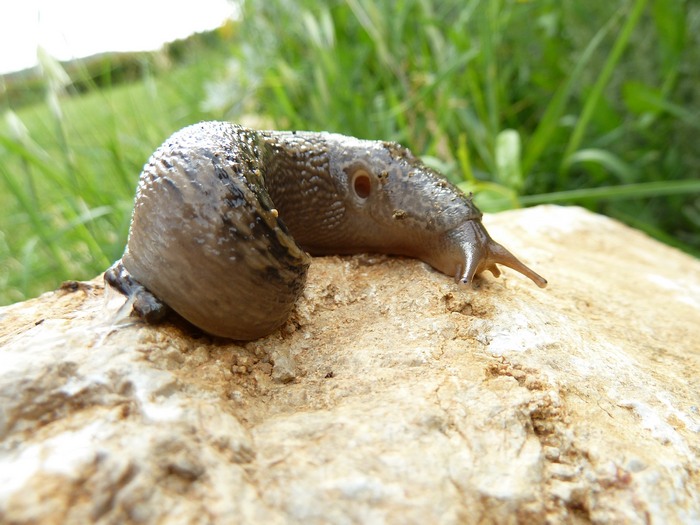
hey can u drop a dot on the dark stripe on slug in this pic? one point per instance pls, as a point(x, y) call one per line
point(260, 229)
point(171, 184)
point(273, 274)
point(219, 170)
point(279, 251)
point(282, 226)
point(235, 197)
point(171, 187)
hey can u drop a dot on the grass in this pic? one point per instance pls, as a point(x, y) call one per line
point(522, 102)
point(69, 168)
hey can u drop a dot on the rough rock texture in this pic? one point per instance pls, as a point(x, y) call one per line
point(391, 396)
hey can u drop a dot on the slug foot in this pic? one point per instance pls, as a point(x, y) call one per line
point(146, 305)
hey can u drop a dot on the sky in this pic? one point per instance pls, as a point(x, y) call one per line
point(69, 29)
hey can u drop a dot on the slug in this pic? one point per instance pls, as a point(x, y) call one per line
point(224, 217)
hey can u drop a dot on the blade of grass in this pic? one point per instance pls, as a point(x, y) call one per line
point(651, 230)
point(491, 64)
point(465, 165)
point(80, 219)
point(425, 91)
point(624, 191)
point(374, 30)
point(74, 212)
point(550, 121)
point(36, 218)
point(600, 83)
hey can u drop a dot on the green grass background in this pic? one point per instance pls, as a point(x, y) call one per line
point(590, 102)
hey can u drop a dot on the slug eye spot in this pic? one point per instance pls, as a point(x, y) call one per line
point(362, 184)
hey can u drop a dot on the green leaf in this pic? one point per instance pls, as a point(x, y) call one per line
point(607, 159)
point(508, 160)
point(641, 98)
point(491, 197)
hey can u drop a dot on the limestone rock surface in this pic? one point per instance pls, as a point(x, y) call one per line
point(391, 396)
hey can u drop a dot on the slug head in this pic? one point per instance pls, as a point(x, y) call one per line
point(469, 250)
point(396, 204)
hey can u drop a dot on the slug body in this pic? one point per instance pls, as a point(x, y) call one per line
point(224, 218)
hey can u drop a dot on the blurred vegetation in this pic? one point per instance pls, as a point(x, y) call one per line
point(108, 69)
point(523, 102)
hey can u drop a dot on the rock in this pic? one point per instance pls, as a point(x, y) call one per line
point(391, 396)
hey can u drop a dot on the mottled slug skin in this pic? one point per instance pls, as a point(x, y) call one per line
point(224, 216)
